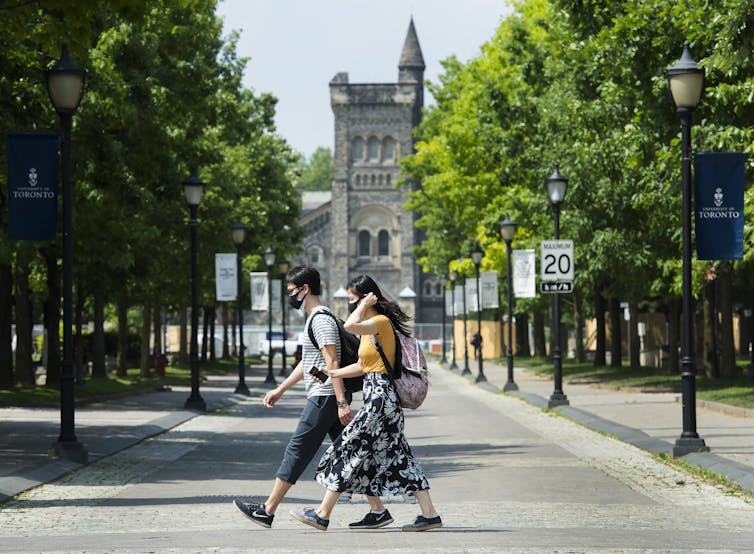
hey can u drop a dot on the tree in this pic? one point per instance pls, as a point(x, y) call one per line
point(318, 171)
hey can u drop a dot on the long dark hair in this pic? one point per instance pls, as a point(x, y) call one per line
point(363, 285)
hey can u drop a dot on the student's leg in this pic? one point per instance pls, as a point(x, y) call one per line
point(375, 504)
point(425, 503)
point(328, 503)
point(279, 489)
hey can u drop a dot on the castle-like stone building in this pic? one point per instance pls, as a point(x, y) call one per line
point(361, 226)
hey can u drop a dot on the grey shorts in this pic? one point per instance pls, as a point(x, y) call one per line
point(318, 418)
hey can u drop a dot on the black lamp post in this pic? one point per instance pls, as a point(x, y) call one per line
point(686, 83)
point(269, 260)
point(193, 188)
point(557, 185)
point(508, 231)
point(476, 257)
point(239, 232)
point(466, 370)
point(65, 85)
point(283, 267)
point(444, 359)
point(453, 275)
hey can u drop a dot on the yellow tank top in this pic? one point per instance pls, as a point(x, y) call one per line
point(369, 354)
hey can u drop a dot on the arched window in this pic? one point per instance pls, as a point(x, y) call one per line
point(438, 289)
point(388, 149)
point(357, 150)
point(365, 242)
point(383, 243)
point(427, 289)
point(388, 179)
point(373, 150)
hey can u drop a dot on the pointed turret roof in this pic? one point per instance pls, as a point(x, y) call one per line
point(412, 52)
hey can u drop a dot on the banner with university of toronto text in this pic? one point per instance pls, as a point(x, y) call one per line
point(719, 205)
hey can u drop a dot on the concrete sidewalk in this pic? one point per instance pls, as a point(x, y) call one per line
point(26, 434)
point(649, 420)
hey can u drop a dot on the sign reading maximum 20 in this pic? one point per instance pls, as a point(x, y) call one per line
point(557, 260)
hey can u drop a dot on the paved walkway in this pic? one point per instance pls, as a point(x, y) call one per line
point(506, 477)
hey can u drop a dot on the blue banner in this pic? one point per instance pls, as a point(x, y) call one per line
point(719, 205)
point(32, 185)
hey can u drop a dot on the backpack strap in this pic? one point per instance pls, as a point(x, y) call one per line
point(378, 345)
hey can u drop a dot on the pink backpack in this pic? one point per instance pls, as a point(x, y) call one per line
point(410, 373)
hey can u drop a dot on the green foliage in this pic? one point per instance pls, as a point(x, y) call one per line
point(318, 171)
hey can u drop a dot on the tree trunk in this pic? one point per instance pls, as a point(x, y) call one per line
point(78, 358)
point(205, 334)
point(709, 340)
point(145, 332)
point(634, 349)
point(52, 317)
point(122, 334)
point(6, 334)
point(616, 349)
point(540, 343)
point(522, 336)
point(601, 338)
point(99, 367)
point(725, 309)
point(24, 365)
point(157, 332)
point(183, 335)
point(674, 338)
point(226, 346)
point(578, 318)
point(212, 335)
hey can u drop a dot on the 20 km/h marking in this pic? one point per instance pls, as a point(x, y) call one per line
point(557, 260)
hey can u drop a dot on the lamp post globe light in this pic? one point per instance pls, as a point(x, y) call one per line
point(557, 186)
point(269, 260)
point(283, 267)
point(239, 232)
point(193, 189)
point(508, 231)
point(686, 83)
point(65, 86)
point(476, 256)
point(453, 276)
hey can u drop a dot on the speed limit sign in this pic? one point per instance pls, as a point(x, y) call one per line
point(557, 260)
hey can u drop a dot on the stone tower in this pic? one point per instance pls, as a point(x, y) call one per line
point(364, 229)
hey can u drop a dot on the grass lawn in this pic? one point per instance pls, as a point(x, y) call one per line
point(735, 392)
point(112, 385)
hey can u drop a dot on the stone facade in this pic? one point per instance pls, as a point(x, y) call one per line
point(363, 228)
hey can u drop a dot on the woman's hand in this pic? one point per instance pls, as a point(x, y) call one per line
point(369, 300)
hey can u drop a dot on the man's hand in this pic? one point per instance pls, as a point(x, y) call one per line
point(272, 397)
point(344, 414)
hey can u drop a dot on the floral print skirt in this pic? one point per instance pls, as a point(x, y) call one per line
point(371, 456)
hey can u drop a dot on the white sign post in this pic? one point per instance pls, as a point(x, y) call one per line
point(259, 291)
point(226, 284)
point(489, 290)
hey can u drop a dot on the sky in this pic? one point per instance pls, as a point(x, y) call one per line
point(297, 46)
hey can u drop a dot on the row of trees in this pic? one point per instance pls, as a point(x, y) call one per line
point(163, 95)
point(582, 84)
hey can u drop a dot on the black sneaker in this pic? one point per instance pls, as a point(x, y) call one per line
point(422, 523)
point(372, 521)
point(310, 517)
point(255, 512)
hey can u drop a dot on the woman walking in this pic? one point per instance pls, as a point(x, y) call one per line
point(372, 456)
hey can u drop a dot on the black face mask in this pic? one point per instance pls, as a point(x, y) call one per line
point(352, 306)
point(294, 302)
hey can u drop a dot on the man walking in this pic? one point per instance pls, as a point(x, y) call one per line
point(327, 409)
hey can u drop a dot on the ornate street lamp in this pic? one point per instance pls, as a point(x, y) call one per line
point(557, 186)
point(686, 83)
point(444, 359)
point(193, 189)
point(269, 260)
point(508, 231)
point(65, 86)
point(239, 231)
point(453, 276)
point(466, 370)
point(283, 267)
point(476, 256)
